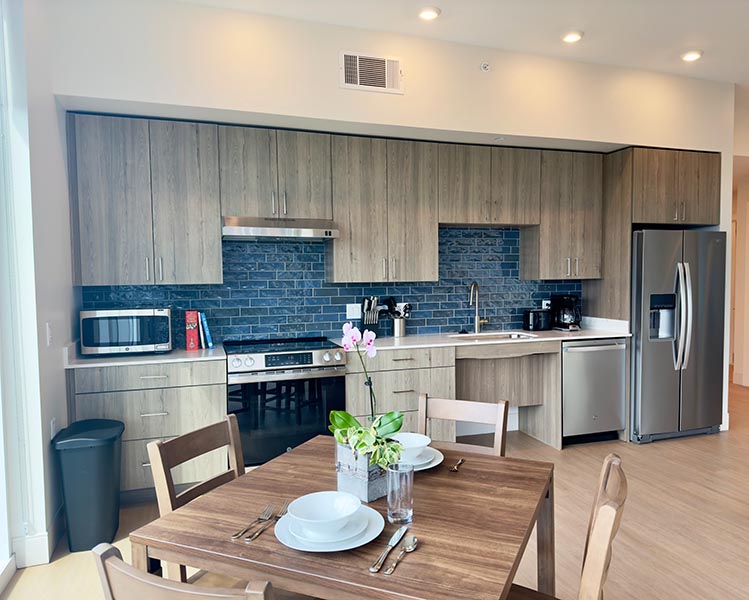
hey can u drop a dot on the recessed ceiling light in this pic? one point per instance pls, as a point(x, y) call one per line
point(691, 56)
point(573, 37)
point(430, 13)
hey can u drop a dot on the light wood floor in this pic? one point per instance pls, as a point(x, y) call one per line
point(685, 533)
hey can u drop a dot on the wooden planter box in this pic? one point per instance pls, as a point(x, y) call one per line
point(356, 476)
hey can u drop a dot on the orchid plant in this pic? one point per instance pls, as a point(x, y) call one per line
point(347, 430)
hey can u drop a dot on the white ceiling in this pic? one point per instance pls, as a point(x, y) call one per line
point(646, 34)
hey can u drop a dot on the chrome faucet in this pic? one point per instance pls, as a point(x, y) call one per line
point(477, 322)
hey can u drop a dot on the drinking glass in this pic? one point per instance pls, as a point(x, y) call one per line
point(400, 493)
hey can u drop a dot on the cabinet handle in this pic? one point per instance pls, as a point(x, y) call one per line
point(392, 268)
point(577, 266)
point(404, 391)
point(402, 359)
point(683, 210)
point(284, 202)
point(148, 269)
point(157, 414)
point(569, 267)
point(273, 203)
point(154, 376)
point(384, 268)
point(145, 464)
point(676, 212)
point(161, 268)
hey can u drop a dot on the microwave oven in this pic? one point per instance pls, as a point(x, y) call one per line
point(126, 331)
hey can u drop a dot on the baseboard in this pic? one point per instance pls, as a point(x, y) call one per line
point(56, 530)
point(7, 572)
point(31, 550)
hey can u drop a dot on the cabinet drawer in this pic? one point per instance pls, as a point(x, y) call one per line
point(136, 468)
point(159, 413)
point(390, 360)
point(156, 375)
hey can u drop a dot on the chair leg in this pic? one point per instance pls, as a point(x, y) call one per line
point(174, 572)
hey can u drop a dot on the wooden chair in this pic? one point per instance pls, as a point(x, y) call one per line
point(469, 412)
point(124, 582)
point(603, 525)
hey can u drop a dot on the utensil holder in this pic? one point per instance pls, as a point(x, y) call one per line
point(399, 327)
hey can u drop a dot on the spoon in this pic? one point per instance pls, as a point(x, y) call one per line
point(409, 545)
point(456, 466)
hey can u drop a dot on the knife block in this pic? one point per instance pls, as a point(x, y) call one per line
point(373, 327)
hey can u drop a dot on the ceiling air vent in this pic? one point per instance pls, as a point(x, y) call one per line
point(371, 73)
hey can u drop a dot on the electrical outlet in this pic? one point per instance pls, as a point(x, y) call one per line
point(353, 311)
point(49, 333)
point(545, 304)
point(53, 428)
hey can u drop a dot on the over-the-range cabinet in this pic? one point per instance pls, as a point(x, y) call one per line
point(678, 293)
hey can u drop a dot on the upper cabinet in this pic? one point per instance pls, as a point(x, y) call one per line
point(185, 193)
point(110, 177)
point(567, 244)
point(413, 235)
point(146, 199)
point(275, 174)
point(360, 208)
point(385, 206)
point(675, 187)
point(481, 185)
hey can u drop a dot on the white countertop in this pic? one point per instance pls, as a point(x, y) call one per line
point(73, 360)
point(444, 339)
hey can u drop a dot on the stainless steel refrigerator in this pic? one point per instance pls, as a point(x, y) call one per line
point(678, 293)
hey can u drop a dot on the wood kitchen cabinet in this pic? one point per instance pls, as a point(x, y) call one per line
point(147, 201)
point(567, 244)
point(412, 206)
point(385, 205)
point(155, 401)
point(275, 173)
point(186, 204)
point(110, 177)
point(674, 187)
point(360, 208)
point(481, 185)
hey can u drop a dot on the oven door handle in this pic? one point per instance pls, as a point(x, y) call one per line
point(290, 375)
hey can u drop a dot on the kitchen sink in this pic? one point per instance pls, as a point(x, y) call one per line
point(495, 335)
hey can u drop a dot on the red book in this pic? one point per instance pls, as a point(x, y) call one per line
point(192, 341)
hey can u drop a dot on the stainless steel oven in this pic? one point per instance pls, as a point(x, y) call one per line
point(282, 392)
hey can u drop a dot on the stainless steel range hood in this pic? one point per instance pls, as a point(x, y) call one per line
point(252, 228)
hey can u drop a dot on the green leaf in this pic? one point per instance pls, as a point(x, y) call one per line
point(388, 424)
point(340, 419)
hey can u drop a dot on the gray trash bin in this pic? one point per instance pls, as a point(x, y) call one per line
point(90, 453)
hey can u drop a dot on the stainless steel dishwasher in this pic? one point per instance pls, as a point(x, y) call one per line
point(593, 386)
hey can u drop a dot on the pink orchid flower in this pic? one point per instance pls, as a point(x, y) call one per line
point(351, 337)
point(368, 339)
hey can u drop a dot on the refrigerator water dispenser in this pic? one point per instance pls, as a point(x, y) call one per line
point(662, 316)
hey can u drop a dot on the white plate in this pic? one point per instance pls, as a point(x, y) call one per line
point(425, 457)
point(355, 526)
point(375, 525)
point(436, 458)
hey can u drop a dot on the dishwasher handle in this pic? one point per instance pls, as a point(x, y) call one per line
point(596, 348)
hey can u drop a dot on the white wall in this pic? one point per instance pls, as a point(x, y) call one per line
point(741, 122)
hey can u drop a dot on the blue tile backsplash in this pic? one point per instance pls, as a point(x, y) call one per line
point(278, 288)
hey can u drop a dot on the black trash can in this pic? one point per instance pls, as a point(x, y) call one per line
point(90, 454)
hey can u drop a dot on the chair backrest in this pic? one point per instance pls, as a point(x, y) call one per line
point(603, 525)
point(164, 456)
point(469, 412)
point(124, 582)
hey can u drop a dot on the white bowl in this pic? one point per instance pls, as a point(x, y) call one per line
point(323, 513)
point(413, 445)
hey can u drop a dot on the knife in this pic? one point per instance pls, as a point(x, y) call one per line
point(397, 536)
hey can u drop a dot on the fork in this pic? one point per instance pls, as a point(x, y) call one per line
point(270, 522)
point(264, 516)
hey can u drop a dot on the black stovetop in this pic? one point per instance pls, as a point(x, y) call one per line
point(306, 344)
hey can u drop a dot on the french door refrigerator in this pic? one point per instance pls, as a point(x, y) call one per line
point(678, 293)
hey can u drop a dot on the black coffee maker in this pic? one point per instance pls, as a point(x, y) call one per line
point(565, 312)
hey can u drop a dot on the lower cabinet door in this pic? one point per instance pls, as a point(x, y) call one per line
point(136, 467)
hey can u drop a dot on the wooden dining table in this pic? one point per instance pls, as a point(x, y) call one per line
point(473, 527)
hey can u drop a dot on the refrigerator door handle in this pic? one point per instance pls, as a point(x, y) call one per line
point(682, 316)
point(690, 316)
